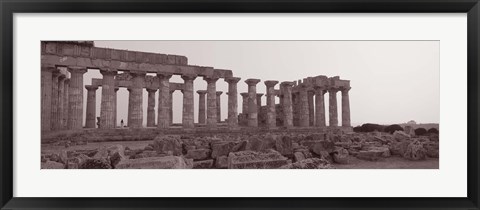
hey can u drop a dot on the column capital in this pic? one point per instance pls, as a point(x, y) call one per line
point(172, 91)
point(333, 90)
point(211, 79)
point(108, 71)
point(259, 94)
point(116, 89)
point(188, 77)
point(286, 84)
point(244, 95)
point(62, 77)
point(149, 90)
point(201, 92)
point(252, 82)
point(219, 93)
point(163, 75)
point(270, 83)
point(77, 69)
point(67, 80)
point(91, 87)
point(345, 89)
point(232, 80)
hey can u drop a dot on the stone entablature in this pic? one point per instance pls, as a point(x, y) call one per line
point(69, 54)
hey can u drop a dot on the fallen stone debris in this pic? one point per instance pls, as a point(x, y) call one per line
point(248, 151)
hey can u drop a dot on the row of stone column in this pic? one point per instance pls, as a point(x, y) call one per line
point(61, 98)
point(297, 107)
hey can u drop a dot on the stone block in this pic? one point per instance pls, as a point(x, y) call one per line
point(92, 163)
point(311, 163)
point(204, 164)
point(52, 165)
point(221, 162)
point(371, 155)
point(340, 155)
point(284, 145)
point(415, 151)
point(432, 149)
point(398, 148)
point(198, 154)
point(256, 160)
point(320, 146)
point(167, 162)
point(222, 148)
point(164, 144)
point(298, 156)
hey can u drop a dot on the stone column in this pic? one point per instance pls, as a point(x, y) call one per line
point(252, 102)
point(130, 102)
point(332, 105)
point(170, 114)
point(259, 102)
point(115, 107)
point(311, 107)
point(201, 106)
point(188, 105)
point(345, 107)
point(75, 97)
point(295, 105)
point(55, 99)
point(303, 107)
point(211, 101)
point(232, 101)
point(244, 103)
point(91, 106)
point(138, 81)
point(66, 85)
point(61, 95)
point(46, 97)
point(271, 113)
point(151, 107)
point(319, 107)
point(219, 105)
point(287, 104)
point(107, 106)
point(163, 100)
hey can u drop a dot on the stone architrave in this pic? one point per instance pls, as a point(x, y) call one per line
point(332, 105)
point(252, 102)
point(91, 106)
point(55, 99)
point(345, 107)
point(136, 94)
point(232, 101)
point(163, 100)
point(287, 104)
point(61, 95)
point(201, 107)
point(115, 106)
point(319, 107)
point(188, 106)
point(219, 106)
point(244, 103)
point(271, 113)
point(75, 97)
point(311, 107)
point(211, 101)
point(46, 97)
point(107, 106)
point(66, 85)
point(151, 107)
point(259, 102)
point(304, 120)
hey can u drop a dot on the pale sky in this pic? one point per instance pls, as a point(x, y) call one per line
point(392, 81)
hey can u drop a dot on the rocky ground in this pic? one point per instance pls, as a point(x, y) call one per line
point(249, 151)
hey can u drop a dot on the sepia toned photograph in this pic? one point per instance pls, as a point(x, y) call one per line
point(240, 104)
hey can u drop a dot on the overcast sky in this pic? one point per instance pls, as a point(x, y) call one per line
point(392, 81)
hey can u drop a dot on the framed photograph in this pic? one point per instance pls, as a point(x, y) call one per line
point(239, 105)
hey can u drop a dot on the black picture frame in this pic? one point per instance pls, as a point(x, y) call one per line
point(10, 7)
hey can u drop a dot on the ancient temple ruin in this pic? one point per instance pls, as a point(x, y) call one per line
point(301, 103)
